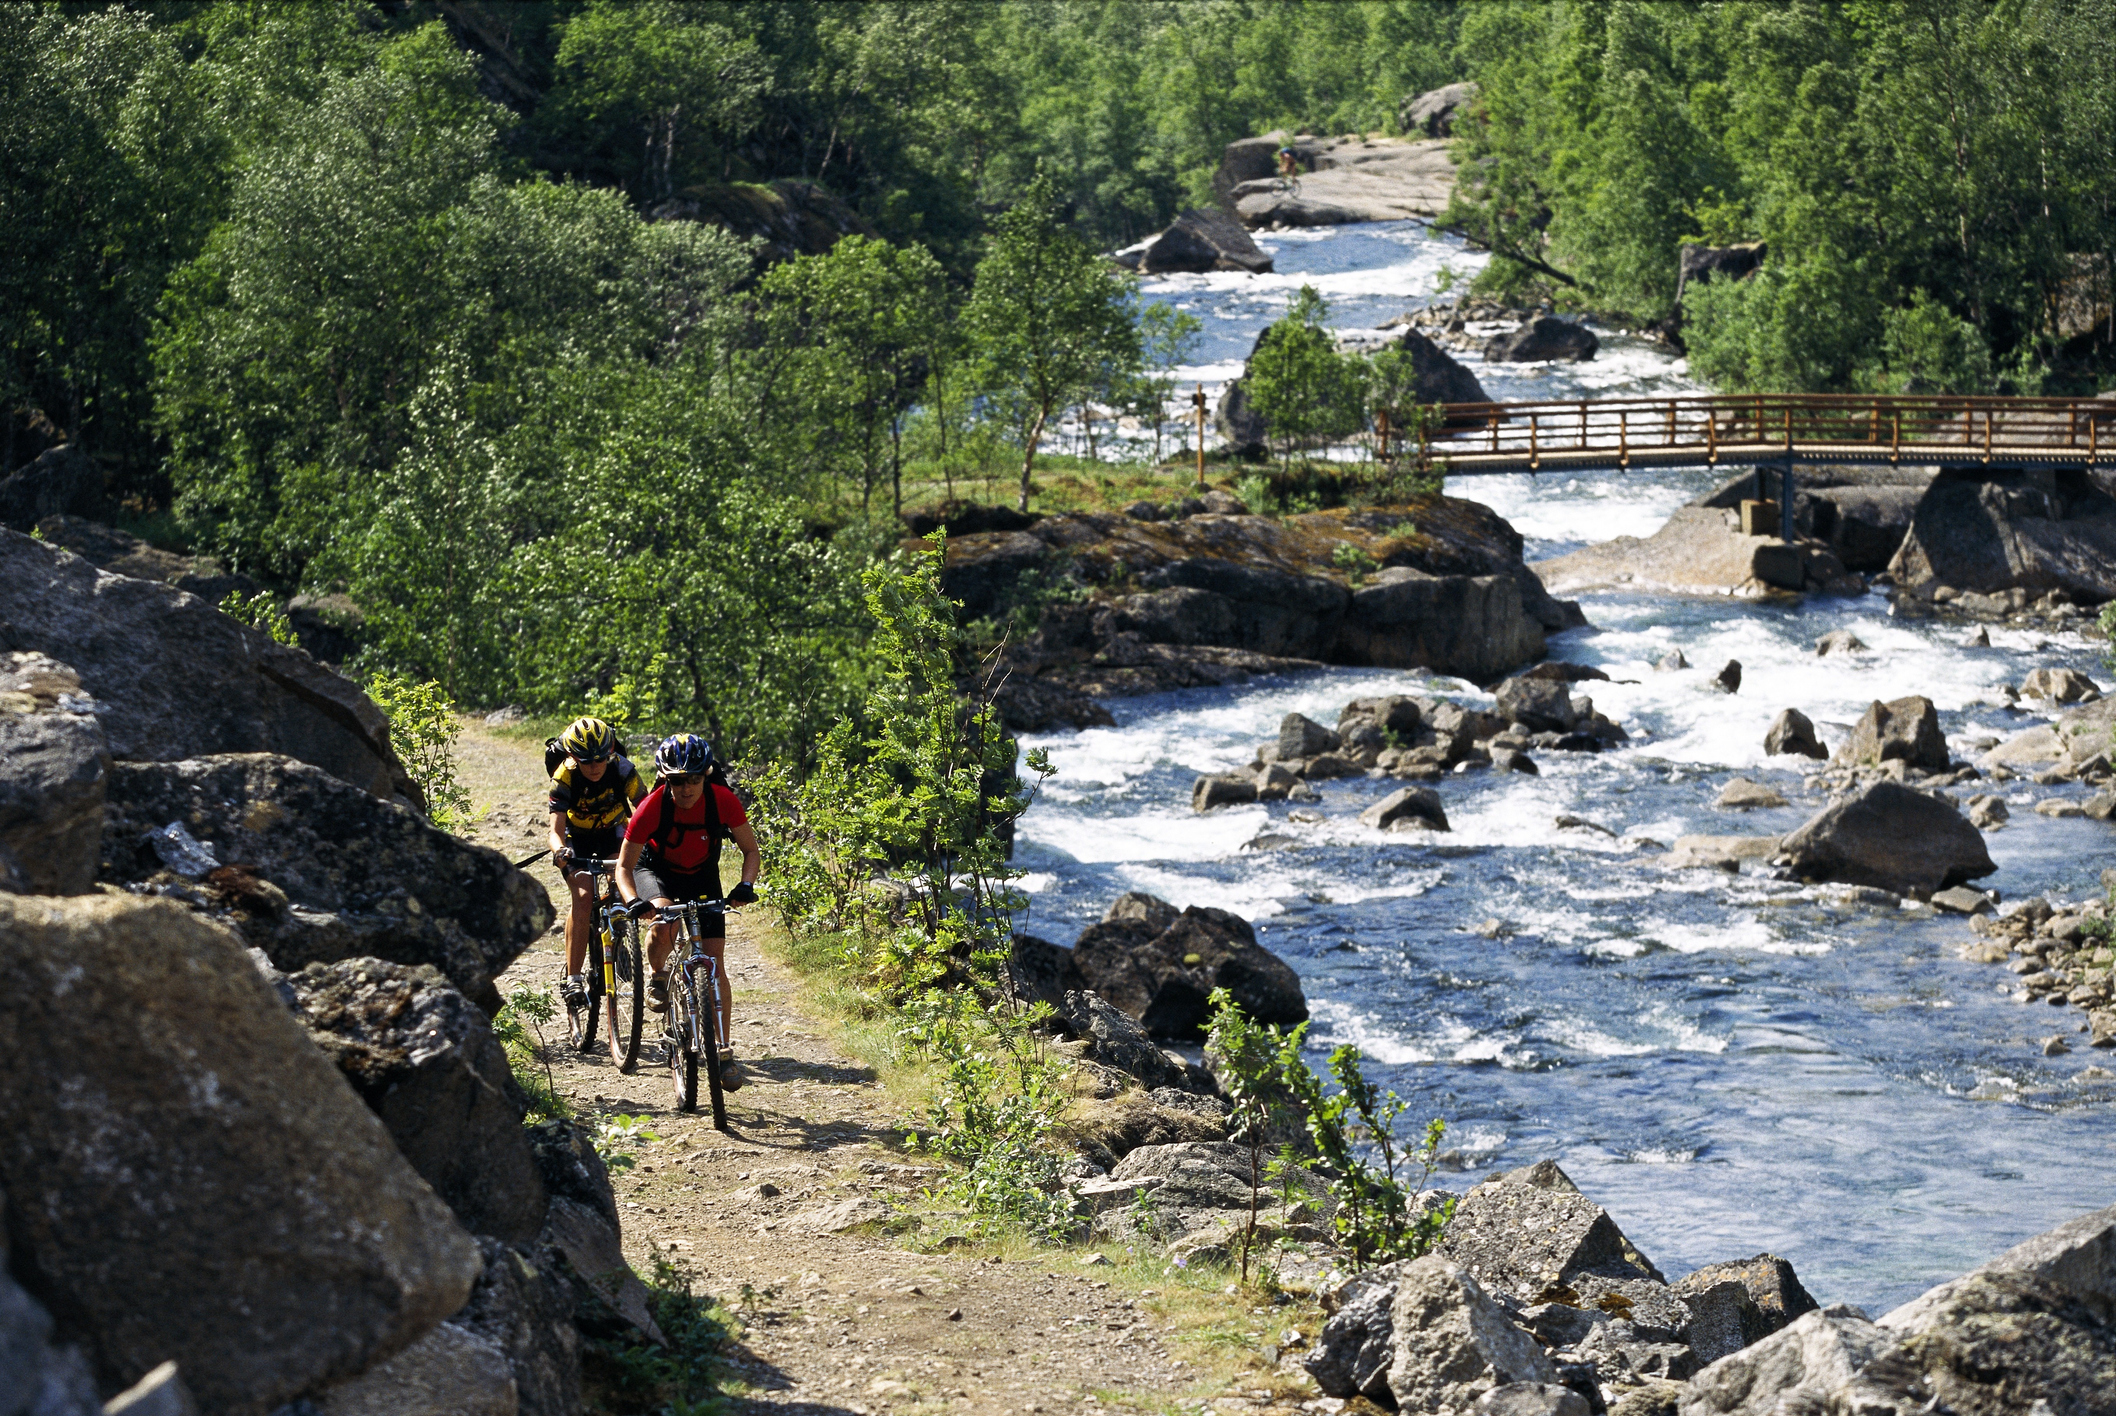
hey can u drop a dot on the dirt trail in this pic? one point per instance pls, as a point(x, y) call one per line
point(844, 1321)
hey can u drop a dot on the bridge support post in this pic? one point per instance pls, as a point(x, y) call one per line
point(1785, 501)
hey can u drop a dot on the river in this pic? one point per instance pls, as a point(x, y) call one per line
point(1729, 1064)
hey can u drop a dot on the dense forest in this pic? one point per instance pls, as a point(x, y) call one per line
point(399, 300)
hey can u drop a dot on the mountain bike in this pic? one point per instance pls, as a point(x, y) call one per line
point(615, 974)
point(697, 1027)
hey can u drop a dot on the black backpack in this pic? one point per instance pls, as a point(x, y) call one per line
point(669, 831)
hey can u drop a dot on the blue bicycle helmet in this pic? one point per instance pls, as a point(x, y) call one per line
point(684, 755)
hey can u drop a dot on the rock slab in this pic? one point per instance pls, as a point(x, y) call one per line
point(1452, 1343)
point(1890, 836)
point(191, 1179)
point(54, 767)
point(176, 678)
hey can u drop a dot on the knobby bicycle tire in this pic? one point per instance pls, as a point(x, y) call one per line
point(683, 1040)
point(711, 1018)
point(583, 1020)
point(629, 1005)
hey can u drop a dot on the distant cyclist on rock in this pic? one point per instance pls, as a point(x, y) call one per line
point(593, 790)
point(672, 853)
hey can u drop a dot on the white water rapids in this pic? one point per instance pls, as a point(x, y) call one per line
point(1728, 1063)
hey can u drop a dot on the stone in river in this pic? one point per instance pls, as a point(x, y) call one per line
point(1719, 852)
point(1792, 732)
point(1729, 678)
point(1839, 641)
point(2059, 686)
point(1906, 729)
point(1506, 759)
point(1409, 806)
point(1540, 705)
point(1209, 792)
point(1542, 338)
point(1890, 836)
point(1741, 794)
point(1301, 736)
point(1960, 899)
point(1671, 661)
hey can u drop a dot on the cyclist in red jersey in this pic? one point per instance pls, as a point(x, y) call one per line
point(672, 853)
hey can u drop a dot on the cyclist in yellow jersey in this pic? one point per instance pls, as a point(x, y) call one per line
point(593, 792)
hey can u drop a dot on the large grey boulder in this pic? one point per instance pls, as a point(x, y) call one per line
point(1162, 977)
point(315, 871)
point(1353, 1351)
point(1148, 909)
point(175, 678)
point(1891, 836)
point(1452, 1343)
point(1433, 112)
point(2072, 743)
point(1301, 736)
point(1537, 704)
point(53, 770)
point(1793, 732)
point(1476, 627)
point(1038, 971)
point(188, 1177)
point(424, 1059)
point(1197, 241)
point(1985, 532)
point(1811, 1360)
point(1543, 338)
point(59, 480)
point(1903, 729)
point(1413, 808)
point(524, 1307)
point(1201, 1192)
point(1437, 376)
point(1531, 1228)
point(450, 1369)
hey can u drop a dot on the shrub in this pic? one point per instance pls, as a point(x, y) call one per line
point(423, 729)
point(262, 612)
point(1380, 1216)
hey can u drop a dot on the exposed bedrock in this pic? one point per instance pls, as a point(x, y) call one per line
point(1215, 597)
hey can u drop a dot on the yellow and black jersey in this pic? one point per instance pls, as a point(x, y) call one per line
point(594, 806)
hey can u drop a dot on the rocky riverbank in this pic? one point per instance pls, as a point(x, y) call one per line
point(1201, 592)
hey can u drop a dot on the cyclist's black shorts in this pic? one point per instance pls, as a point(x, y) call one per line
point(601, 843)
point(658, 882)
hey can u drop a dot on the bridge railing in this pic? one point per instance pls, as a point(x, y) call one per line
point(1749, 427)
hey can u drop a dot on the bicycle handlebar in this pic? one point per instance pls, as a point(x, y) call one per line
point(589, 865)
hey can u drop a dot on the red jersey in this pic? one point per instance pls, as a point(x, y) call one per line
point(689, 846)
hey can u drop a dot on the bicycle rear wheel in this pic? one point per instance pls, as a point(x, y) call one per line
point(683, 1040)
point(581, 1021)
point(628, 1005)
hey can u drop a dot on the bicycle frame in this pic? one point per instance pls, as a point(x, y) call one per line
point(700, 968)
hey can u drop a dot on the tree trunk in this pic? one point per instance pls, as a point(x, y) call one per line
point(1028, 455)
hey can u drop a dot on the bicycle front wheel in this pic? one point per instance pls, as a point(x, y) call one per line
point(628, 1005)
point(683, 1040)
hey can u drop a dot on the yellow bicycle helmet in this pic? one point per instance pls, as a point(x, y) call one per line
point(589, 740)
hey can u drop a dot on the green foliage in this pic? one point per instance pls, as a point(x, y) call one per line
point(616, 1135)
point(1051, 319)
point(892, 851)
point(423, 730)
point(1913, 169)
point(261, 611)
point(1380, 1216)
point(872, 325)
point(519, 1025)
point(1306, 391)
point(630, 1378)
point(1354, 561)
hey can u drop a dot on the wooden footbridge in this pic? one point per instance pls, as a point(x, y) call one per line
point(1782, 431)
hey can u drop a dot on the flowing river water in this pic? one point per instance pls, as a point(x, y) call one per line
point(1729, 1064)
